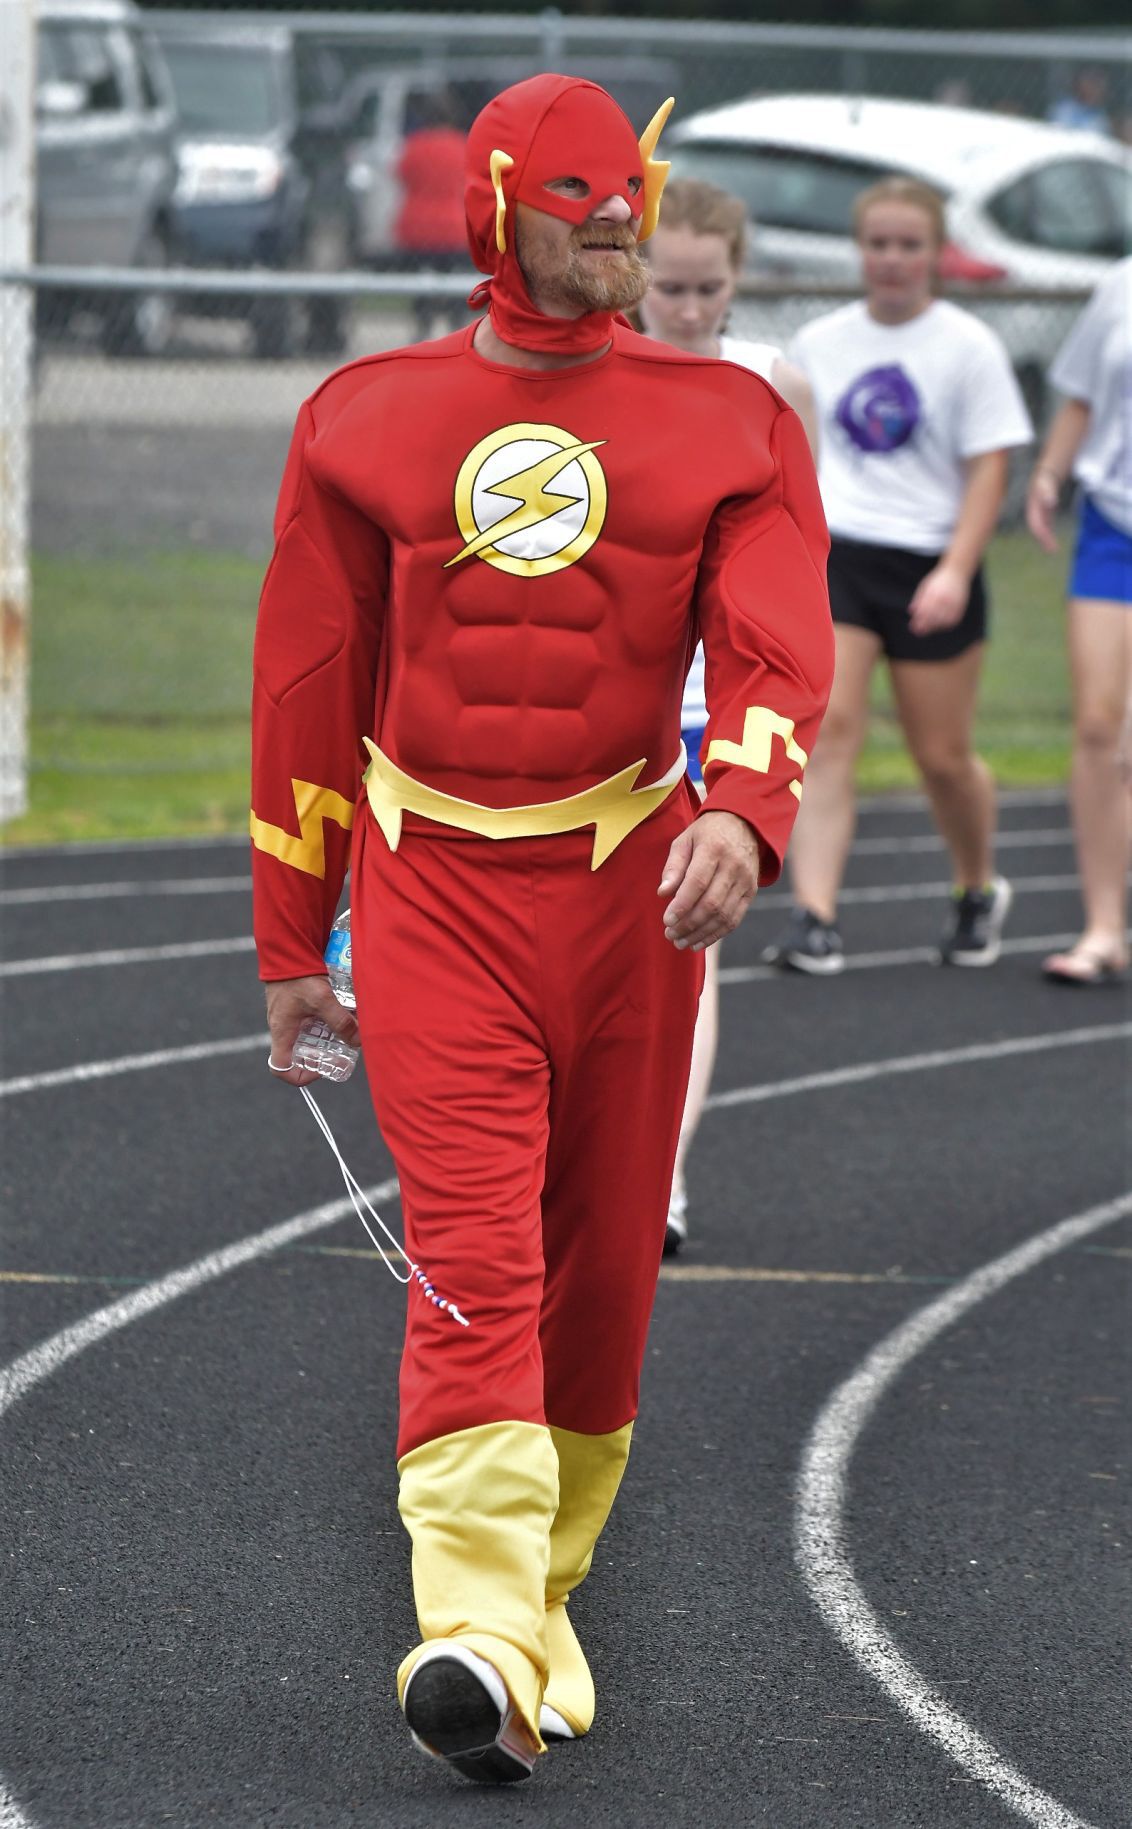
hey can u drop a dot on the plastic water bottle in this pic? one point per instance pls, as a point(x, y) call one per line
point(317, 1048)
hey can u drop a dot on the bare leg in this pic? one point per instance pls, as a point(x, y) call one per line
point(935, 701)
point(827, 817)
point(1100, 658)
point(703, 1062)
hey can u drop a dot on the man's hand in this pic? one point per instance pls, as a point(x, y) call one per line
point(289, 1002)
point(939, 600)
point(712, 873)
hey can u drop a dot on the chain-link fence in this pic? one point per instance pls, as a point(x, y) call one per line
point(164, 390)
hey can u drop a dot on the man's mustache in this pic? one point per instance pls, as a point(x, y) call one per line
point(612, 236)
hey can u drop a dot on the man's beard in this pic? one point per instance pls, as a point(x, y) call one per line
point(614, 284)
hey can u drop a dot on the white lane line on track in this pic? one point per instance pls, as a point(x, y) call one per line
point(1038, 838)
point(100, 892)
point(922, 892)
point(130, 1063)
point(820, 1538)
point(919, 1063)
point(31, 1368)
point(126, 955)
point(244, 943)
point(873, 962)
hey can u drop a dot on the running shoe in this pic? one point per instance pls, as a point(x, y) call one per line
point(676, 1228)
point(807, 944)
point(974, 928)
point(458, 1708)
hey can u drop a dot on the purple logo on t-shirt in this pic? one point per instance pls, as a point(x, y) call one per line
point(880, 410)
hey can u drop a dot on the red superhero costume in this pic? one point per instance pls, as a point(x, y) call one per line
point(492, 578)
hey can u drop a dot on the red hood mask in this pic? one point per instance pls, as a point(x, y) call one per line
point(545, 128)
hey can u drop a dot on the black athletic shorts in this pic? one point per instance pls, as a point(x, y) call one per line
point(870, 587)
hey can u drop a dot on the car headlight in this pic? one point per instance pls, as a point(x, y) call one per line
point(227, 174)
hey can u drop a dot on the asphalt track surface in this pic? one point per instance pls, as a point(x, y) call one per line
point(858, 1578)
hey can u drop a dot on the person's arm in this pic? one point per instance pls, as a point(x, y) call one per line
point(1053, 469)
point(316, 648)
point(795, 389)
point(941, 597)
point(763, 610)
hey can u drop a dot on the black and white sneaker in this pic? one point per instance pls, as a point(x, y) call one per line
point(974, 929)
point(676, 1225)
point(807, 944)
point(458, 1708)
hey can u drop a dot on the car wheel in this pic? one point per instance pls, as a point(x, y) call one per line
point(276, 328)
point(141, 323)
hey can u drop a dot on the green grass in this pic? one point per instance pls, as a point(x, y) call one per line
point(141, 674)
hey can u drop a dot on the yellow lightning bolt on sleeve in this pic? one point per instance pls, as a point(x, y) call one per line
point(537, 501)
point(313, 804)
point(760, 727)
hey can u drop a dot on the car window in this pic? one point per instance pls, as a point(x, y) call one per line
point(1073, 206)
point(143, 54)
point(780, 187)
point(83, 55)
point(224, 88)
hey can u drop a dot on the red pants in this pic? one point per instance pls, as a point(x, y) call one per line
point(527, 1032)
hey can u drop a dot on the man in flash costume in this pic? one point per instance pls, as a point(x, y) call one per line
point(495, 553)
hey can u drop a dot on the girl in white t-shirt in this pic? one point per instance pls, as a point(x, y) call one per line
point(917, 410)
point(696, 254)
point(1091, 438)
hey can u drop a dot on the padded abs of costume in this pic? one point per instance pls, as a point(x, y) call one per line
point(545, 535)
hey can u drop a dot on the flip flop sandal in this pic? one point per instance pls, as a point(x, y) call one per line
point(1098, 969)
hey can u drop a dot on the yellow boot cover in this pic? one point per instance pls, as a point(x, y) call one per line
point(589, 1473)
point(478, 1506)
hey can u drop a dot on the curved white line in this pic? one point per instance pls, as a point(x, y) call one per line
point(19, 1377)
point(918, 1063)
point(102, 892)
point(131, 1063)
point(824, 1560)
point(126, 955)
point(31, 1368)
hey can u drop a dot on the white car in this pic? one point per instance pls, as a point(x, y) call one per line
point(1027, 204)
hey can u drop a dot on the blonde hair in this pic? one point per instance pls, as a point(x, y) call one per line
point(689, 203)
point(912, 191)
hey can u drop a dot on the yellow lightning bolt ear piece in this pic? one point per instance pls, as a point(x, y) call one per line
point(656, 170)
point(501, 162)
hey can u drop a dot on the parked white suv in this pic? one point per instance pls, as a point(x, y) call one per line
point(1027, 203)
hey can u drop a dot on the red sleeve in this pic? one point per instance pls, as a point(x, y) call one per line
point(316, 650)
point(763, 610)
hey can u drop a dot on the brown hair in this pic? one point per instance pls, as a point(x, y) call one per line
point(689, 203)
point(903, 190)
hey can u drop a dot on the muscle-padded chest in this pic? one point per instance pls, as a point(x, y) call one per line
point(545, 533)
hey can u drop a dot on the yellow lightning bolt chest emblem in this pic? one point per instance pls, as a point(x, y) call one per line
point(529, 499)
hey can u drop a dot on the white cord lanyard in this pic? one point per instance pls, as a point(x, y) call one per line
point(358, 1200)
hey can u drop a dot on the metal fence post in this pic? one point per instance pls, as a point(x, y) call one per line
point(17, 33)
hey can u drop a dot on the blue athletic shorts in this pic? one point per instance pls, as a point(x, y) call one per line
point(1102, 563)
point(693, 735)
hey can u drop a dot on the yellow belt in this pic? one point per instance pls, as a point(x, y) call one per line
point(612, 807)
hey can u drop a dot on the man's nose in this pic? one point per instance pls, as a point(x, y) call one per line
point(613, 209)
